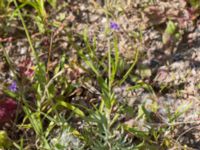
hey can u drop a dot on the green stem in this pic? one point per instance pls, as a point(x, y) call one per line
point(27, 33)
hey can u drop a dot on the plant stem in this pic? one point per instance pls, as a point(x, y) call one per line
point(27, 33)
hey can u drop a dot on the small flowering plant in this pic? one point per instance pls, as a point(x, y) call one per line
point(13, 86)
point(114, 26)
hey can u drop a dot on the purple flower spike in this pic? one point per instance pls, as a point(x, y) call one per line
point(114, 26)
point(13, 87)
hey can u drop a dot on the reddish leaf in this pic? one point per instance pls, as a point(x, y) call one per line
point(8, 108)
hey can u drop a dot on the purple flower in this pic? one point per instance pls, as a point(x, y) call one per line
point(13, 87)
point(114, 26)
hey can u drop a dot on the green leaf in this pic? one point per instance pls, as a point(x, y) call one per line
point(52, 3)
point(89, 63)
point(72, 108)
point(11, 94)
point(40, 24)
point(180, 110)
point(195, 3)
point(115, 62)
point(2, 5)
point(177, 36)
point(171, 33)
point(40, 73)
point(144, 71)
point(171, 28)
point(5, 142)
point(131, 67)
point(136, 132)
